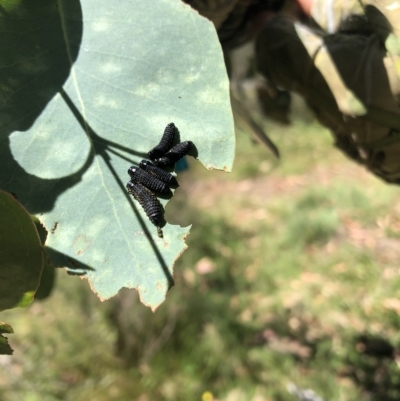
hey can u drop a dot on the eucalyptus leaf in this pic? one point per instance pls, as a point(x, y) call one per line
point(89, 88)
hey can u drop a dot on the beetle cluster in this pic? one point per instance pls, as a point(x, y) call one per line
point(150, 179)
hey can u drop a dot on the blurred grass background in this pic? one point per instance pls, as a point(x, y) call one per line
point(292, 275)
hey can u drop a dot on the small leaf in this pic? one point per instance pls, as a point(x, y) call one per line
point(5, 348)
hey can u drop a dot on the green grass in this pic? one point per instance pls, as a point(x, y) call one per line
point(291, 276)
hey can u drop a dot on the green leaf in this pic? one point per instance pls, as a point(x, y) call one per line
point(93, 93)
point(5, 349)
point(21, 255)
point(48, 278)
point(47, 282)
